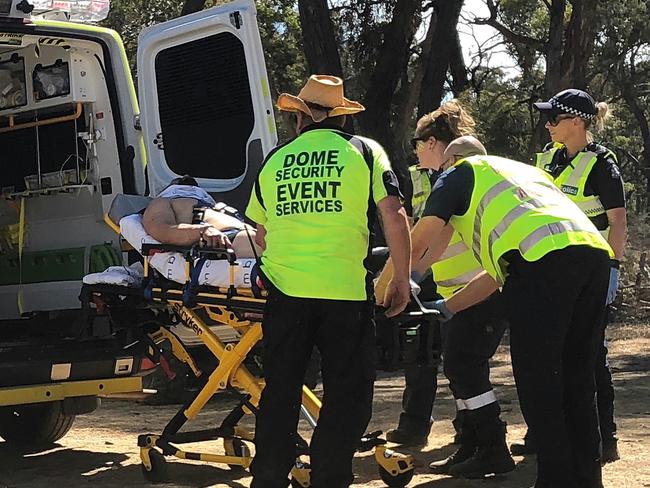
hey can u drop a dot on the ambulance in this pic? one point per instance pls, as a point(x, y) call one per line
point(73, 135)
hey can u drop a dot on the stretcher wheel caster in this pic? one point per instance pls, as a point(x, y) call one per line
point(159, 471)
point(301, 475)
point(395, 481)
point(396, 470)
point(236, 448)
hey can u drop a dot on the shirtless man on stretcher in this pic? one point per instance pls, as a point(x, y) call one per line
point(184, 214)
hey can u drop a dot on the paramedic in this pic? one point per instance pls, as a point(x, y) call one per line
point(185, 214)
point(553, 265)
point(314, 202)
point(588, 174)
point(466, 356)
point(444, 124)
point(469, 340)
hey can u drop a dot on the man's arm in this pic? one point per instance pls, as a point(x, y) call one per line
point(396, 230)
point(617, 238)
point(434, 252)
point(477, 290)
point(260, 236)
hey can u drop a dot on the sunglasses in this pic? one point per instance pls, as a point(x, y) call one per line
point(554, 120)
point(415, 140)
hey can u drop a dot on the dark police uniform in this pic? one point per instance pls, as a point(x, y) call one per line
point(598, 187)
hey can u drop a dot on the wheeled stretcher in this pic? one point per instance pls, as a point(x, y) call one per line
point(151, 308)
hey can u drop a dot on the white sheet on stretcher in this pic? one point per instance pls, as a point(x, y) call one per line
point(172, 265)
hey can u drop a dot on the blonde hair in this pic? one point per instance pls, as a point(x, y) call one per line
point(446, 123)
point(603, 115)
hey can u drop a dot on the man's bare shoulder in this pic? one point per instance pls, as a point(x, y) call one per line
point(170, 210)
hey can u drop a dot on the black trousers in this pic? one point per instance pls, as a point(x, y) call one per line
point(469, 340)
point(421, 379)
point(605, 390)
point(344, 333)
point(556, 308)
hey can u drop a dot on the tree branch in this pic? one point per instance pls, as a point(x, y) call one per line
point(508, 34)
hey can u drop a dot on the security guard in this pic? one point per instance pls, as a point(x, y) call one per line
point(553, 265)
point(314, 201)
point(588, 174)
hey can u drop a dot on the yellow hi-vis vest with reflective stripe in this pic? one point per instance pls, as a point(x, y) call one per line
point(515, 206)
point(455, 268)
point(573, 180)
point(457, 265)
point(421, 182)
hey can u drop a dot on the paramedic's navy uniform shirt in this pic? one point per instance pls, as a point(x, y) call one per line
point(452, 193)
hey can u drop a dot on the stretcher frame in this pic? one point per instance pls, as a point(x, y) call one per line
point(241, 309)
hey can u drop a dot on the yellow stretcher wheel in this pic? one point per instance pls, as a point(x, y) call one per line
point(159, 471)
point(237, 448)
point(301, 475)
point(396, 470)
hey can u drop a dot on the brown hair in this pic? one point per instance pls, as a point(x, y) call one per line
point(446, 123)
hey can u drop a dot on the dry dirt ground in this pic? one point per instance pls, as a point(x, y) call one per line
point(101, 450)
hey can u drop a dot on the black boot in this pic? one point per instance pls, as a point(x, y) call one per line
point(409, 433)
point(458, 423)
point(525, 448)
point(610, 451)
point(491, 457)
point(468, 444)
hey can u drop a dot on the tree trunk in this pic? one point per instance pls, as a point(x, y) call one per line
point(457, 68)
point(320, 47)
point(392, 60)
point(553, 78)
point(191, 6)
point(444, 40)
point(579, 43)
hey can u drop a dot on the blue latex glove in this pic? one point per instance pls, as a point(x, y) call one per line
point(613, 283)
point(440, 306)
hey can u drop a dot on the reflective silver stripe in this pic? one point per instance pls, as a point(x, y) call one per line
point(489, 196)
point(546, 159)
point(460, 405)
point(591, 207)
point(551, 229)
point(459, 280)
point(522, 209)
point(479, 401)
point(579, 168)
point(453, 251)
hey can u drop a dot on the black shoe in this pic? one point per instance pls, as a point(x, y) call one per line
point(525, 448)
point(610, 451)
point(462, 454)
point(457, 438)
point(407, 437)
point(486, 460)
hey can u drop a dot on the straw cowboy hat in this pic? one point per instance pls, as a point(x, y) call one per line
point(464, 147)
point(321, 97)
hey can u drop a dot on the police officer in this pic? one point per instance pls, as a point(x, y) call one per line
point(553, 265)
point(314, 201)
point(433, 132)
point(588, 174)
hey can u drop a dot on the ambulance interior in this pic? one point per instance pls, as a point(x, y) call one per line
point(56, 124)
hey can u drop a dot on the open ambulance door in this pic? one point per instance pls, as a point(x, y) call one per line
point(206, 109)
